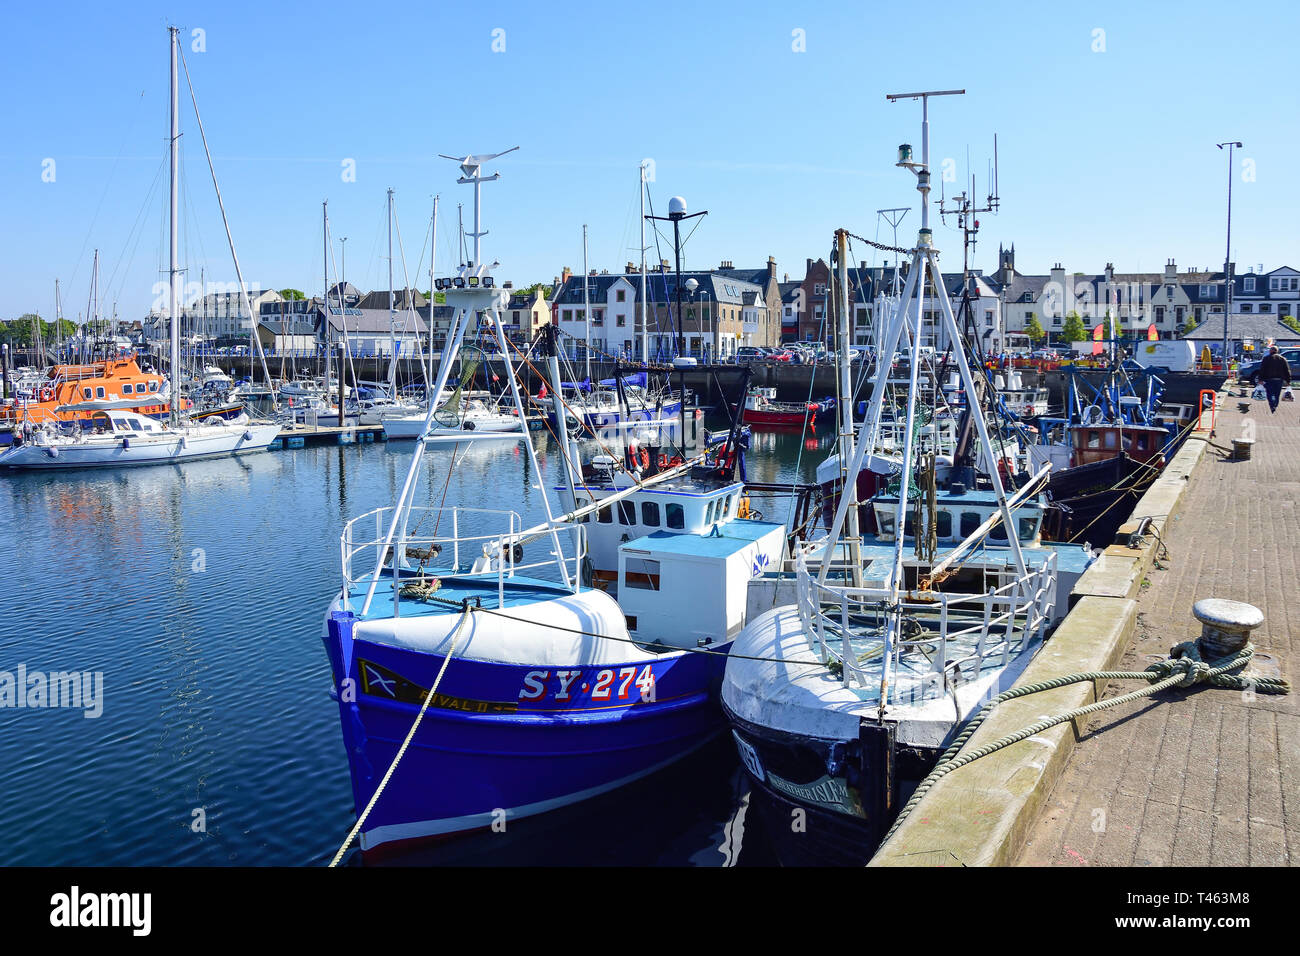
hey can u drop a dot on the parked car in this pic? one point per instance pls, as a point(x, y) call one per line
point(1250, 371)
point(781, 355)
point(749, 353)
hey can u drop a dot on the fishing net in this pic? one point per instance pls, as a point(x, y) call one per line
point(449, 413)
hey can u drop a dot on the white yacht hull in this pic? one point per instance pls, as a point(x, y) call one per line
point(114, 451)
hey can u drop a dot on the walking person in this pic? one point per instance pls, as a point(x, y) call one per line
point(1275, 373)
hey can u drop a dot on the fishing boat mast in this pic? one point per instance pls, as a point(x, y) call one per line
point(645, 327)
point(433, 302)
point(924, 271)
point(848, 484)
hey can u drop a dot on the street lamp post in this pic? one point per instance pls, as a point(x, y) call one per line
point(677, 213)
point(1227, 257)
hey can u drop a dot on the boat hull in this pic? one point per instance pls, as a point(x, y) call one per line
point(593, 421)
point(488, 752)
point(827, 802)
point(139, 451)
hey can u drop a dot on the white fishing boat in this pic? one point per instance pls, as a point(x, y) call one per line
point(875, 649)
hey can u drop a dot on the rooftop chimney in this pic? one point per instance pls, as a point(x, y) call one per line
point(726, 264)
point(771, 267)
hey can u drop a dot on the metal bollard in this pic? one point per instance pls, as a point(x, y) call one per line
point(1225, 625)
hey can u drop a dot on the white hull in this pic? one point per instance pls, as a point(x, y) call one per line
point(413, 426)
point(109, 451)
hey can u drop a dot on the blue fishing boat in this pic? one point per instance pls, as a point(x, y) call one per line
point(486, 671)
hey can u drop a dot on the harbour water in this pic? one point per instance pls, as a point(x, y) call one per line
point(198, 594)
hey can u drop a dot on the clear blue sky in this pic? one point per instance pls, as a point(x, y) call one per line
point(1106, 156)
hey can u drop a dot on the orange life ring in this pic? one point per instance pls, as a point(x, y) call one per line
point(47, 394)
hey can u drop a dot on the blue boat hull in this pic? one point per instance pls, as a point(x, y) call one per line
point(497, 745)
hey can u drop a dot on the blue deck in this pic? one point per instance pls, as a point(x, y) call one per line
point(520, 591)
point(1070, 558)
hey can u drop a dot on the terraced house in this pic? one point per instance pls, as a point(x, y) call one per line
point(722, 309)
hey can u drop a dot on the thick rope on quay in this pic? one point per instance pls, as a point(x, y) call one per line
point(1183, 668)
point(401, 751)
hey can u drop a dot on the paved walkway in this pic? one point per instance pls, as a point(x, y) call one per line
point(1207, 778)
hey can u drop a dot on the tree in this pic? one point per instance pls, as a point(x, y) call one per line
point(1189, 326)
point(532, 290)
point(1074, 329)
point(1291, 323)
point(291, 295)
point(1034, 330)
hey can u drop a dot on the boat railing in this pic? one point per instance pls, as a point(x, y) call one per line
point(962, 631)
point(429, 540)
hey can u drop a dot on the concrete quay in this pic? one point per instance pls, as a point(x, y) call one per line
point(1201, 777)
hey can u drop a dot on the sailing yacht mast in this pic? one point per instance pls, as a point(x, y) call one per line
point(58, 322)
point(586, 299)
point(392, 334)
point(173, 294)
point(325, 299)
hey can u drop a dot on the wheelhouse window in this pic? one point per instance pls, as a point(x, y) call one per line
point(605, 515)
point(885, 521)
point(578, 505)
point(99, 391)
point(943, 524)
point(998, 532)
point(970, 520)
point(650, 514)
point(676, 516)
point(642, 574)
point(1028, 528)
point(128, 388)
point(626, 512)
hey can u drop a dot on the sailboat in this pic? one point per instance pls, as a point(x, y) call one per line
point(114, 436)
point(480, 675)
point(881, 646)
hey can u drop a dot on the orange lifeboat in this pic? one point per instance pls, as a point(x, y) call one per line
point(116, 380)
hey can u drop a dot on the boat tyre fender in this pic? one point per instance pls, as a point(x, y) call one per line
point(516, 554)
point(468, 426)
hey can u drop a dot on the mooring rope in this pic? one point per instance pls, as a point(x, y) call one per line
point(401, 751)
point(1183, 668)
